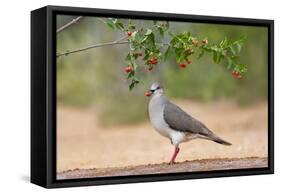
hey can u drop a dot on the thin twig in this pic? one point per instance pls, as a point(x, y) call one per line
point(74, 21)
point(118, 41)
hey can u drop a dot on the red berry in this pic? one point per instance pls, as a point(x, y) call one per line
point(188, 62)
point(128, 69)
point(239, 77)
point(153, 61)
point(235, 73)
point(129, 33)
point(148, 93)
point(182, 65)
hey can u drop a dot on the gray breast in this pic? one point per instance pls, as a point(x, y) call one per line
point(156, 115)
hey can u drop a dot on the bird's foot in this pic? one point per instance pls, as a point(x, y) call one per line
point(177, 149)
point(171, 162)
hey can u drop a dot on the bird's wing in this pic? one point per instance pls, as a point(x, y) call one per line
point(179, 120)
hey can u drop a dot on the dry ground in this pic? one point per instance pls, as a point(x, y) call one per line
point(186, 166)
point(83, 144)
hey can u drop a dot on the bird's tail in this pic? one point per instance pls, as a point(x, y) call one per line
point(220, 141)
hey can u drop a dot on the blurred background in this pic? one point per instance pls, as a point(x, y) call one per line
point(100, 123)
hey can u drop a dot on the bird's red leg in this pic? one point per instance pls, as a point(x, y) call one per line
point(177, 149)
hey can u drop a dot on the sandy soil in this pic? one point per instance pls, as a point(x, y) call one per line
point(186, 166)
point(83, 144)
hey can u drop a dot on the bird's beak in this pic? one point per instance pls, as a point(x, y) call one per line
point(148, 93)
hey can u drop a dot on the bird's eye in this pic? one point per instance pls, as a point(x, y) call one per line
point(158, 88)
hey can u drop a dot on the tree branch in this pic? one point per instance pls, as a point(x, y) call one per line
point(118, 41)
point(74, 21)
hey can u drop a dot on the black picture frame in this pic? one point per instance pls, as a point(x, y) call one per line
point(43, 96)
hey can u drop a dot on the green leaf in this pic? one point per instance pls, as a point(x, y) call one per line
point(150, 42)
point(220, 57)
point(233, 51)
point(180, 55)
point(215, 56)
point(134, 35)
point(131, 86)
point(223, 43)
point(144, 39)
point(134, 40)
point(146, 57)
point(161, 31)
point(133, 46)
point(241, 68)
point(171, 34)
point(135, 66)
point(130, 25)
point(168, 52)
point(238, 46)
point(119, 25)
point(131, 74)
point(136, 80)
point(110, 24)
point(129, 57)
point(235, 48)
point(148, 32)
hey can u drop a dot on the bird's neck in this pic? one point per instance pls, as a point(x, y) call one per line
point(157, 94)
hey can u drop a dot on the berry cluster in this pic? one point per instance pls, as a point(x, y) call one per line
point(153, 61)
point(236, 74)
point(183, 65)
point(128, 69)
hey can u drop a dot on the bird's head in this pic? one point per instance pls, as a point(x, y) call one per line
point(155, 89)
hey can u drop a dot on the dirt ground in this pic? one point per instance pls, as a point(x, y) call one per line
point(187, 166)
point(83, 144)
